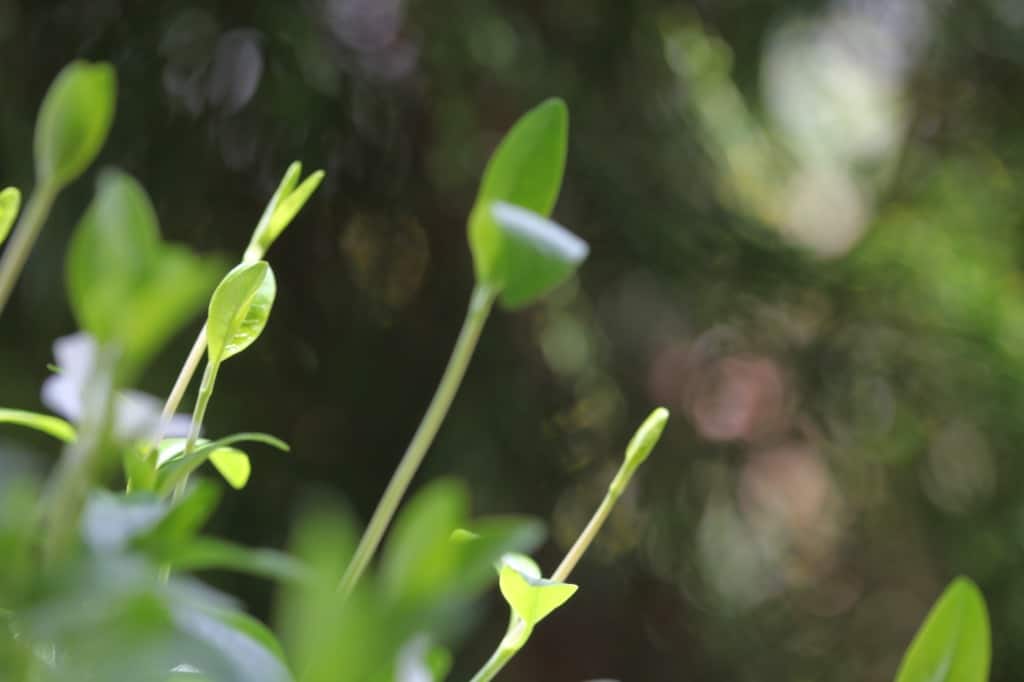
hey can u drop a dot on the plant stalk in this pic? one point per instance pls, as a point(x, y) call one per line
point(30, 224)
point(188, 370)
point(479, 307)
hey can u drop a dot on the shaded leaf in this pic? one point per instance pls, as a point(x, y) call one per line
point(10, 204)
point(175, 467)
point(204, 553)
point(74, 120)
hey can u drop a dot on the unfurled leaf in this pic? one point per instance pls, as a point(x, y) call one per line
point(529, 255)
point(204, 553)
point(51, 426)
point(239, 309)
point(527, 167)
point(282, 208)
point(525, 171)
point(233, 465)
point(246, 646)
point(73, 121)
point(954, 643)
point(124, 284)
point(530, 597)
point(111, 253)
point(10, 204)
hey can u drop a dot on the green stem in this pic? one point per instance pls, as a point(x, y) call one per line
point(516, 637)
point(479, 307)
point(498, 660)
point(30, 224)
point(188, 370)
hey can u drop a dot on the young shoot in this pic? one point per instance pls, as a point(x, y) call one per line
point(531, 597)
point(519, 256)
point(284, 205)
point(73, 123)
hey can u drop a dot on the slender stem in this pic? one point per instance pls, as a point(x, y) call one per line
point(188, 370)
point(479, 307)
point(593, 527)
point(501, 656)
point(202, 401)
point(30, 224)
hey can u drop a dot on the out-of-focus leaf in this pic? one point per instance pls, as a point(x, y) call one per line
point(954, 642)
point(246, 646)
point(48, 424)
point(182, 521)
point(239, 309)
point(10, 203)
point(74, 120)
point(110, 522)
point(532, 254)
point(203, 554)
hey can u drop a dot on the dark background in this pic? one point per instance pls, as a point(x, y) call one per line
point(806, 229)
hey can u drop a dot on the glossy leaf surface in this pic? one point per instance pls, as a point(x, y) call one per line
point(239, 309)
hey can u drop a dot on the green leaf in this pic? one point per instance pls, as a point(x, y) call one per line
point(183, 520)
point(111, 253)
point(204, 553)
point(954, 643)
point(531, 255)
point(249, 649)
point(10, 204)
point(239, 309)
point(51, 426)
point(112, 522)
point(527, 167)
point(74, 120)
point(419, 557)
point(282, 208)
point(124, 284)
point(174, 466)
point(526, 171)
point(233, 465)
point(530, 597)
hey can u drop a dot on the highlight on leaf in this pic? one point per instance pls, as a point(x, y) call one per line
point(239, 309)
point(531, 597)
point(10, 204)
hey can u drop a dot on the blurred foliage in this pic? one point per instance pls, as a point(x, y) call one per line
point(806, 235)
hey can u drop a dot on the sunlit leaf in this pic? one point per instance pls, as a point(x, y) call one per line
point(954, 643)
point(531, 254)
point(282, 208)
point(239, 309)
point(530, 597)
point(74, 120)
point(233, 465)
point(10, 204)
point(526, 171)
point(174, 466)
point(50, 425)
